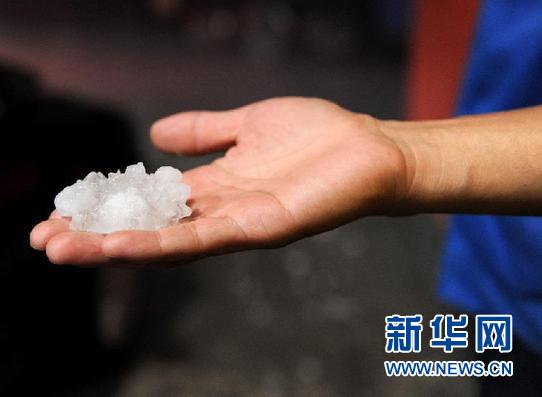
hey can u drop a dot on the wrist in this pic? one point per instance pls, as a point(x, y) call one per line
point(473, 164)
point(435, 175)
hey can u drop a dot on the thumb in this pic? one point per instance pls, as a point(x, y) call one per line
point(198, 132)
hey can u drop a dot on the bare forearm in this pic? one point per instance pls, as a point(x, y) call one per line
point(477, 164)
point(297, 166)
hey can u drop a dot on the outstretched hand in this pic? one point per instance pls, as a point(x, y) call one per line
point(293, 167)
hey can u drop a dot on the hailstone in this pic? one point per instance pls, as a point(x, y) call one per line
point(133, 200)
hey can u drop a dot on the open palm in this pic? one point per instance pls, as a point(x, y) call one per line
point(293, 167)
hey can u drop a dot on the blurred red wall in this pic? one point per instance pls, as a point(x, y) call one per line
point(440, 42)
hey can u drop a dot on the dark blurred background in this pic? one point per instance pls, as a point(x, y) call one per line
point(80, 84)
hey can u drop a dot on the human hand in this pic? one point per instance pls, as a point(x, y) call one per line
point(293, 167)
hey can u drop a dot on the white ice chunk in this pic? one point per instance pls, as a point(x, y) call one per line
point(134, 200)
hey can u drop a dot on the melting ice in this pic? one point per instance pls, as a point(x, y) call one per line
point(134, 200)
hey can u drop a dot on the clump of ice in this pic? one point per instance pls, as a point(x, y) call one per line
point(134, 200)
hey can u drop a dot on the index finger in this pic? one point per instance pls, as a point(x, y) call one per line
point(64, 246)
point(186, 240)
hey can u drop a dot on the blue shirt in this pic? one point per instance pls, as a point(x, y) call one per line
point(493, 264)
